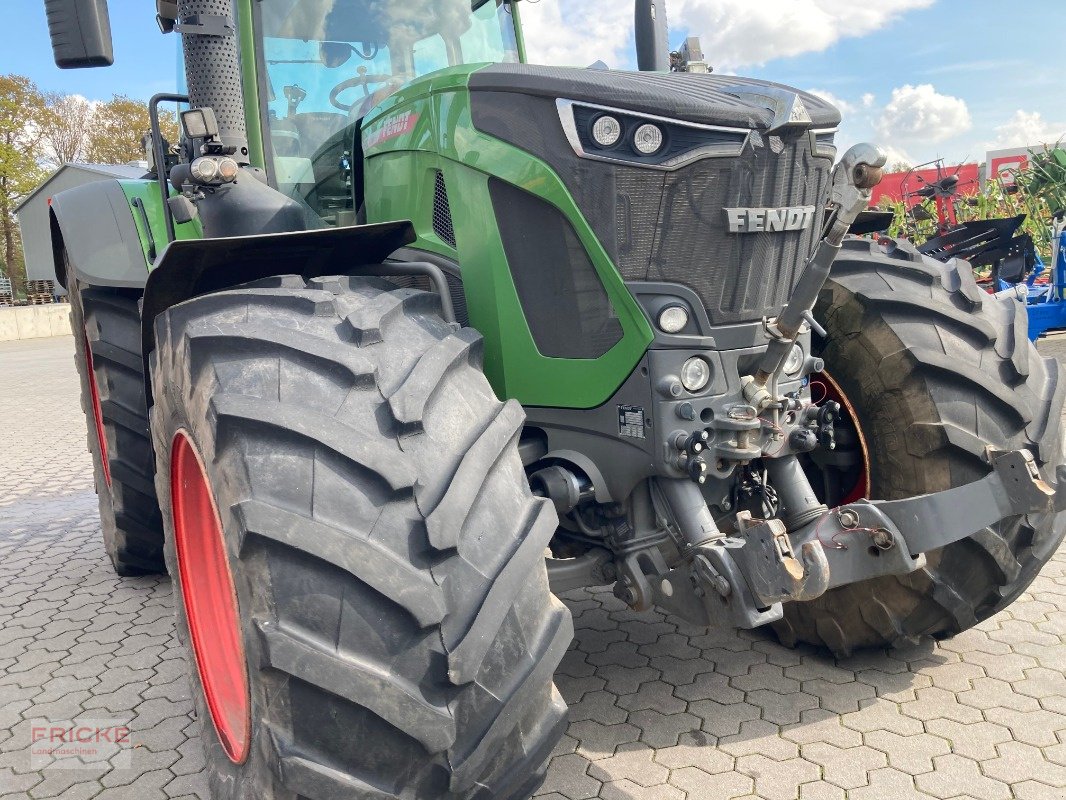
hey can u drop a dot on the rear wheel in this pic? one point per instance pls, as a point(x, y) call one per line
point(359, 557)
point(931, 370)
point(106, 324)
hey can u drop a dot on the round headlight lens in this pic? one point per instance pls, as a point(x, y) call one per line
point(695, 374)
point(648, 139)
point(673, 319)
point(205, 169)
point(606, 131)
point(794, 362)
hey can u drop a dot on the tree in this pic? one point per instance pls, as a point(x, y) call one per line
point(65, 127)
point(117, 127)
point(21, 108)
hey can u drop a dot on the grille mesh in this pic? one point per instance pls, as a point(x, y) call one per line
point(671, 226)
point(442, 211)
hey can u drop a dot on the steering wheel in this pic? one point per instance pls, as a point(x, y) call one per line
point(362, 79)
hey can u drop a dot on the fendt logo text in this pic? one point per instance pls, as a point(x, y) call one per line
point(769, 220)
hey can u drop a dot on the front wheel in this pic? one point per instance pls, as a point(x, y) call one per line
point(358, 557)
point(931, 371)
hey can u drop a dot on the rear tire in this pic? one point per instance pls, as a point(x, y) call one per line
point(385, 550)
point(106, 323)
point(936, 370)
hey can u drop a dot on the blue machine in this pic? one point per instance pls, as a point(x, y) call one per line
point(1046, 304)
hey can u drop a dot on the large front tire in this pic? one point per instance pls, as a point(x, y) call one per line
point(385, 552)
point(934, 370)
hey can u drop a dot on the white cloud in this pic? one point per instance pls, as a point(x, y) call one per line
point(921, 114)
point(897, 157)
point(734, 33)
point(843, 106)
point(1027, 128)
point(579, 35)
point(868, 100)
point(739, 33)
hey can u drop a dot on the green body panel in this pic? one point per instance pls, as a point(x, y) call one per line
point(148, 192)
point(427, 126)
point(250, 82)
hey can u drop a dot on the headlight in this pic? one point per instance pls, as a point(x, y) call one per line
point(205, 169)
point(606, 131)
point(695, 374)
point(673, 319)
point(794, 362)
point(648, 139)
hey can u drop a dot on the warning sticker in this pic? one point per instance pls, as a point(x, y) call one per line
point(631, 421)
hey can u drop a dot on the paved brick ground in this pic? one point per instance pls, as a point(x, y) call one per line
point(658, 710)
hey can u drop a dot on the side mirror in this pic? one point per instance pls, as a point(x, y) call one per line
point(81, 33)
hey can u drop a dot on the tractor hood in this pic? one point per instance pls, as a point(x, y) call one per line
point(713, 182)
point(725, 100)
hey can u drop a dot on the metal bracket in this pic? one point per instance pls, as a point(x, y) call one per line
point(1014, 487)
point(867, 539)
point(594, 568)
point(859, 542)
point(710, 590)
point(206, 25)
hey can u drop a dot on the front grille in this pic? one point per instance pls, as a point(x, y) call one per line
point(671, 226)
point(739, 277)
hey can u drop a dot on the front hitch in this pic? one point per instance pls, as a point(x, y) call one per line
point(869, 538)
point(741, 579)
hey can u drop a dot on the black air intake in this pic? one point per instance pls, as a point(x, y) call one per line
point(563, 299)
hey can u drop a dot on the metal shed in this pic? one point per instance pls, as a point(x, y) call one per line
point(32, 213)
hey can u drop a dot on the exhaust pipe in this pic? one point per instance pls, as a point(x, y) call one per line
point(653, 37)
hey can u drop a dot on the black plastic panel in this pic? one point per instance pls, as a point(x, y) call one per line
point(562, 297)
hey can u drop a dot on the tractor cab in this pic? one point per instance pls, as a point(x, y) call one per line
point(324, 64)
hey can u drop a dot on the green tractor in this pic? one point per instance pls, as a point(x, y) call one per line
point(407, 336)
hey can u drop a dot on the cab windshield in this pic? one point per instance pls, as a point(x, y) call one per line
point(329, 62)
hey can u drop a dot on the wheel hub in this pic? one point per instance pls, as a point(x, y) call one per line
point(210, 600)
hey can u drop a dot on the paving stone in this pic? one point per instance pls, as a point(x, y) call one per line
point(914, 754)
point(778, 780)
point(597, 741)
point(976, 740)
point(1016, 759)
point(954, 776)
point(627, 790)
point(699, 784)
point(569, 777)
point(759, 736)
point(633, 762)
point(848, 768)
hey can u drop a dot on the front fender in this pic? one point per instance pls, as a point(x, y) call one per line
point(94, 224)
point(196, 267)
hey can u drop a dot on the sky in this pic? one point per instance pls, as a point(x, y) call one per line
point(923, 78)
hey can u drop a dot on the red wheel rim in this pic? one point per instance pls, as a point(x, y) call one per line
point(210, 601)
point(861, 489)
point(98, 414)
